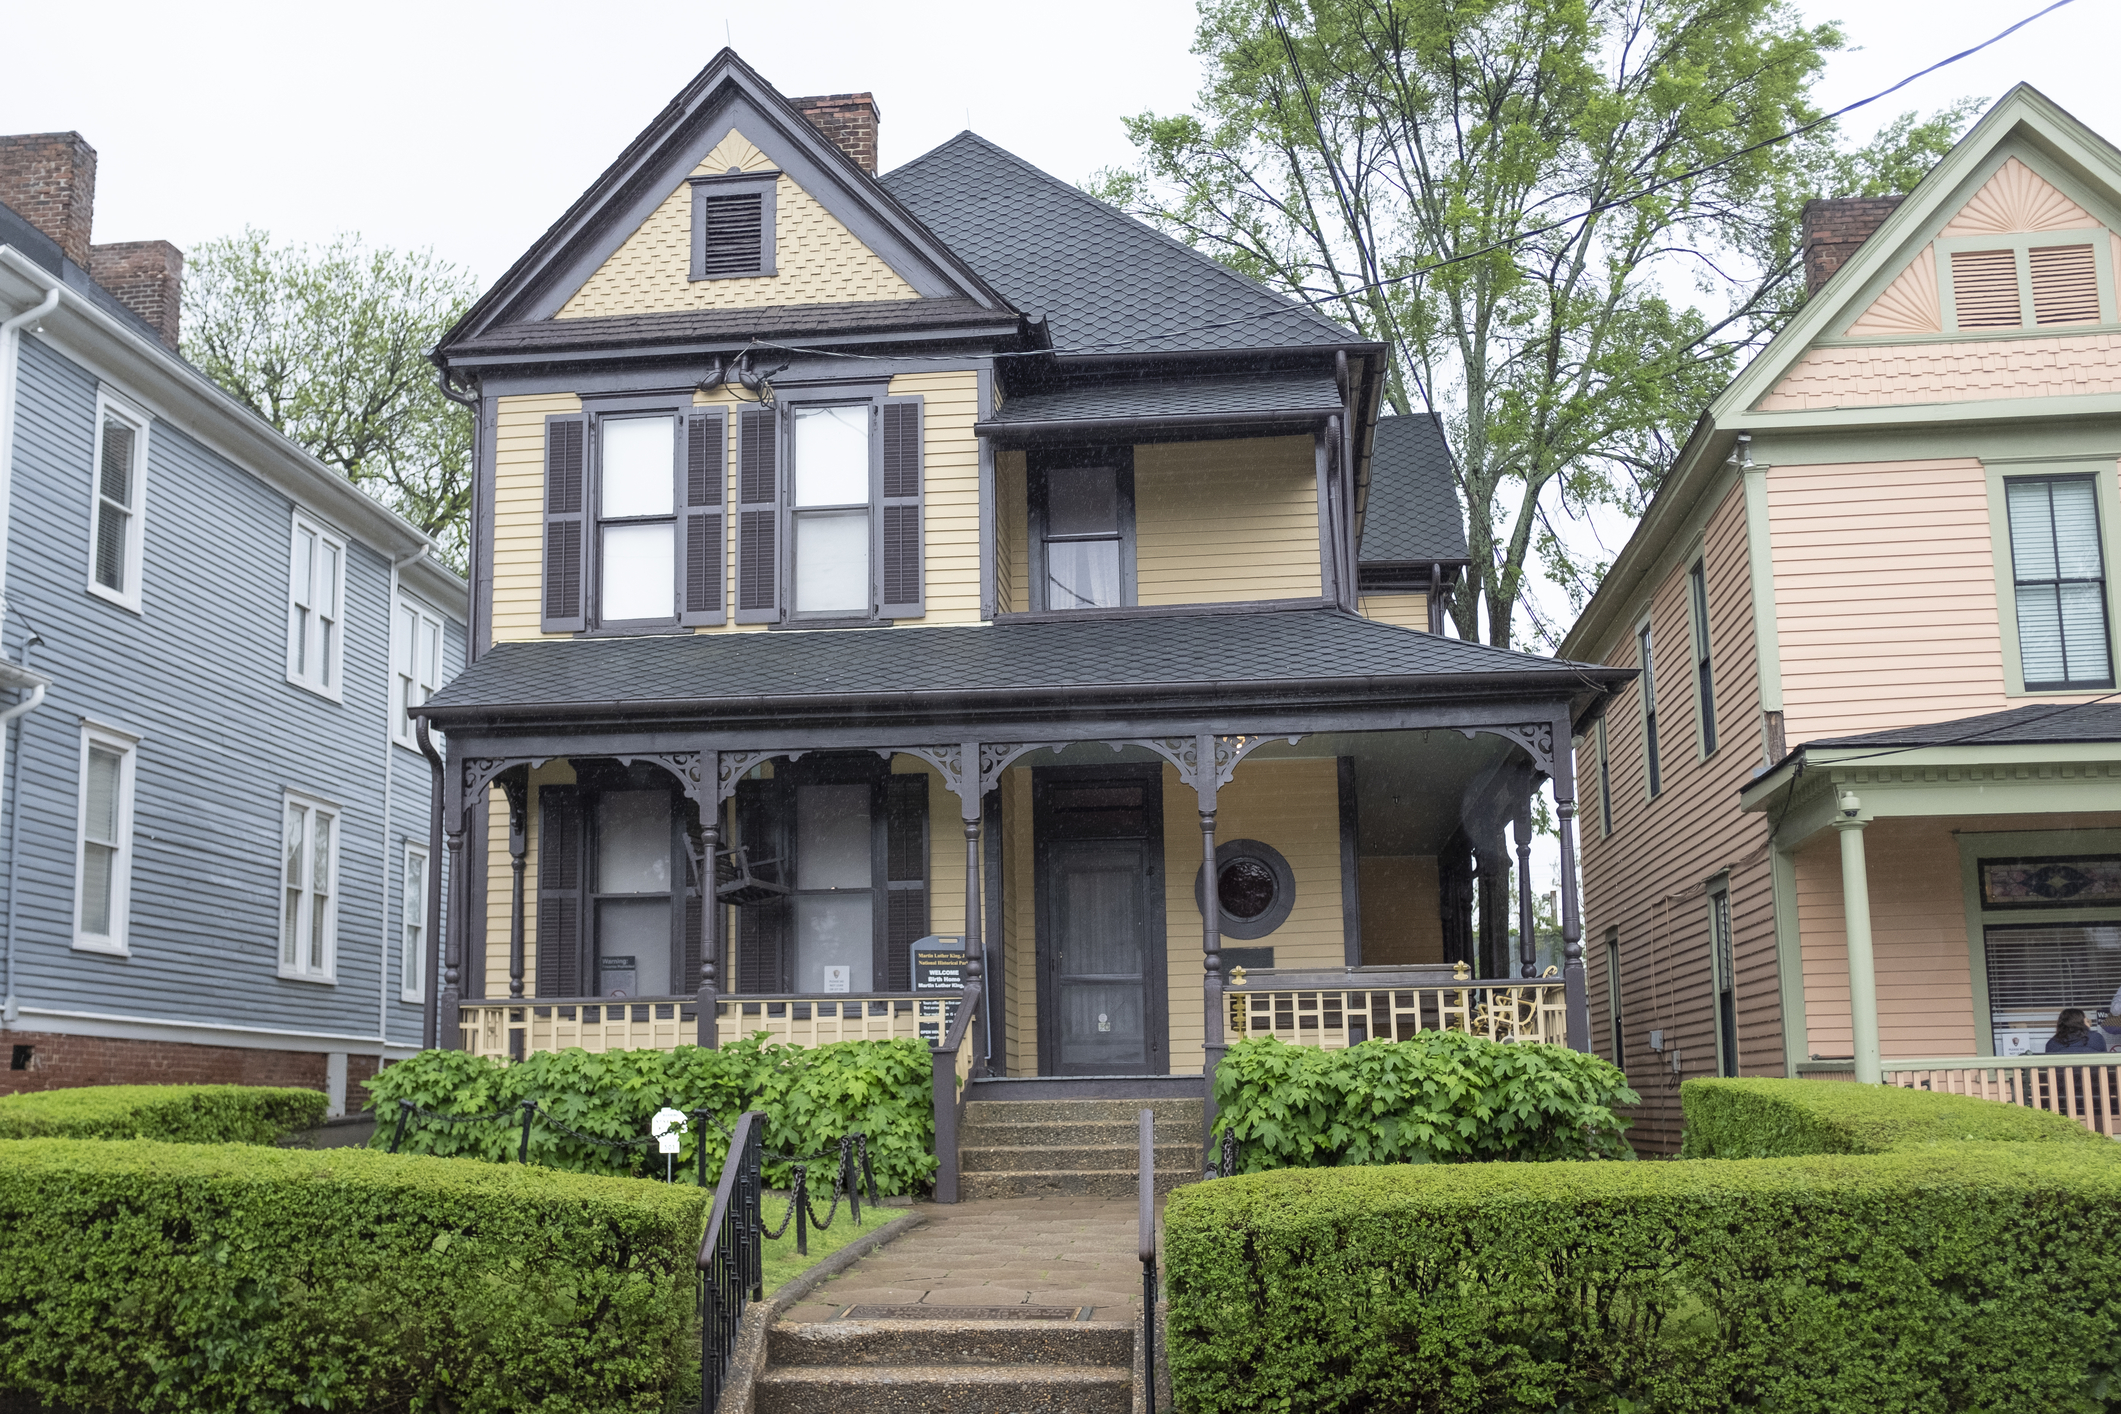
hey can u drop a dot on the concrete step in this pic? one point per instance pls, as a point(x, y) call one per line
point(1062, 1183)
point(945, 1389)
point(1080, 1111)
point(1062, 1133)
point(927, 1343)
point(976, 1157)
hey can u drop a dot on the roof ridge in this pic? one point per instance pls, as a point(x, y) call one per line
point(1242, 281)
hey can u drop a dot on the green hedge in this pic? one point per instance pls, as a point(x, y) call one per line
point(811, 1097)
point(1771, 1119)
point(180, 1114)
point(1946, 1278)
point(1440, 1096)
point(168, 1279)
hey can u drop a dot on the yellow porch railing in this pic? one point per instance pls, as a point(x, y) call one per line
point(510, 1030)
point(2087, 1088)
point(1334, 1018)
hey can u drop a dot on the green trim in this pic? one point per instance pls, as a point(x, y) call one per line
point(1652, 776)
point(2107, 490)
point(1971, 847)
point(2020, 245)
point(2048, 439)
point(1789, 958)
point(1940, 413)
point(1760, 562)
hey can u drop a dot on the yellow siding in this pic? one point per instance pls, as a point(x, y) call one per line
point(1291, 805)
point(1402, 922)
point(1222, 521)
point(1405, 610)
point(950, 493)
point(519, 510)
point(946, 848)
point(817, 260)
point(1019, 925)
point(1012, 549)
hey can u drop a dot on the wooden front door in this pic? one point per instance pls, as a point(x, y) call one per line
point(1098, 834)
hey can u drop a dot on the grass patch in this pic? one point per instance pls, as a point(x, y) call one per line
point(781, 1264)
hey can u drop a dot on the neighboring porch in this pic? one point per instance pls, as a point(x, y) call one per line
point(1942, 894)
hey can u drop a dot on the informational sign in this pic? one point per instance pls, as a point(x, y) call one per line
point(617, 977)
point(668, 1127)
point(936, 1014)
point(938, 964)
point(839, 979)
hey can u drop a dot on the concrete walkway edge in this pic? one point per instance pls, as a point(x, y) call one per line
point(759, 1317)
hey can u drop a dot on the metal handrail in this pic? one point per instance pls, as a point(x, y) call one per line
point(731, 1261)
point(1147, 1245)
point(949, 1062)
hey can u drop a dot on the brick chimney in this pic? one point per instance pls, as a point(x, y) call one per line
point(1833, 229)
point(148, 279)
point(848, 120)
point(49, 179)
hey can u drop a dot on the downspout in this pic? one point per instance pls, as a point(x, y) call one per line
point(390, 762)
point(435, 939)
point(9, 1009)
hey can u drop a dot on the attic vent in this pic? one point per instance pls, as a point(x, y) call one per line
point(1985, 289)
point(731, 225)
point(2065, 285)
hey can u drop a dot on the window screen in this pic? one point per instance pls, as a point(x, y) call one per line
point(2060, 582)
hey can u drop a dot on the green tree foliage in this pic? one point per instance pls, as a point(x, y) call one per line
point(1338, 144)
point(330, 347)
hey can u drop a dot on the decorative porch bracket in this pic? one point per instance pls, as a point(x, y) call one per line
point(1537, 739)
point(1207, 763)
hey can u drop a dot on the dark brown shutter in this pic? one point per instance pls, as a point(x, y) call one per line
point(559, 892)
point(906, 876)
point(899, 580)
point(565, 610)
point(762, 928)
point(758, 517)
point(700, 536)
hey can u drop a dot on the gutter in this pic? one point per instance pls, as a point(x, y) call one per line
point(10, 341)
point(1092, 426)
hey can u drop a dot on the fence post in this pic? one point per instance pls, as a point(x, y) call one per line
point(530, 1108)
point(802, 1210)
point(849, 1180)
point(397, 1135)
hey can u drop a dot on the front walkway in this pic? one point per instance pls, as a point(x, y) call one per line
point(1059, 1251)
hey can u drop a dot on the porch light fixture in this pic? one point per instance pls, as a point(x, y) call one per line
point(1850, 805)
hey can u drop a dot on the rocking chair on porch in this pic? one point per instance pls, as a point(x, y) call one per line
point(740, 880)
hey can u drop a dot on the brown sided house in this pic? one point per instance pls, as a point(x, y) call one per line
point(1860, 815)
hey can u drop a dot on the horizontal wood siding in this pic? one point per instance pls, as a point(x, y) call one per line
point(411, 792)
point(817, 259)
point(949, 491)
point(1885, 596)
point(1405, 610)
point(1019, 923)
point(519, 511)
point(1647, 879)
point(1402, 920)
point(1226, 521)
point(1012, 545)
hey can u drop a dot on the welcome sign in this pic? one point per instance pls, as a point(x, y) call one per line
point(939, 964)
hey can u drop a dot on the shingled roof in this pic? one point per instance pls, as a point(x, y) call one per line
point(1107, 283)
point(2049, 724)
point(1233, 656)
point(1412, 513)
point(1185, 397)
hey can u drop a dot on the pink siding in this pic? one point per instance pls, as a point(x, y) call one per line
point(1885, 596)
point(2053, 365)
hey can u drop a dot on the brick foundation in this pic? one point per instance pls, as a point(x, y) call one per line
point(58, 1062)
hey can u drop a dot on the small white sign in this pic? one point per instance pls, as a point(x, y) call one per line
point(668, 1127)
point(839, 979)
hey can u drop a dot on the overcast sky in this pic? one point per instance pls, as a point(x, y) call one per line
point(470, 127)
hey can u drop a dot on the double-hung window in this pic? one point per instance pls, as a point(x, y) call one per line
point(412, 926)
point(1082, 530)
point(1697, 580)
point(103, 862)
point(416, 667)
point(119, 499)
point(1723, 976)
point(1652, 777)
point(1605, 782)
point(636, 547)
point(309, 889)
point(2059, 582)
point(316, 590)
point(830, 511)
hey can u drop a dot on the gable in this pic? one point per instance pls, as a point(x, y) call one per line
point(817, 259)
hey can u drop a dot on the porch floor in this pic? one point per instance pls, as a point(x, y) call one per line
point(1059, 1251)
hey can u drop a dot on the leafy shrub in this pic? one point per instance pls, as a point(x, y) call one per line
point(1442, 1096)
point(1768, 1119)
point(811, 1097)
point(180, 1114)
point(175, 1279)
point(1973, 1277)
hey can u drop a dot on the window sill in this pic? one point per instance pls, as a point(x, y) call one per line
point(329, 694)
point(413, 998)
point(102, 949)
point(128, 602)
point(806, 625)
point(311, 978)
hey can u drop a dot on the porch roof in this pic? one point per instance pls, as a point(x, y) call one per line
point(2047, 724)
point(1296, 396)
point(1222, 660)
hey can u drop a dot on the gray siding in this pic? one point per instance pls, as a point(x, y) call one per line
point(411, 783)
point(200, 674)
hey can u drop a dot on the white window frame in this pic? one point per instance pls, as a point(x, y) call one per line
point(292, 962)
point(111, 406)
point(118, 941)
point(412, 914)
point(315, 659)
point(406, 669)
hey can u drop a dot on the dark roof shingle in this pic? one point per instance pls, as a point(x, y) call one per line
point(1412, 512)
point(771, 322)
point(1189, 397)
point(1106, 282)
point(2057, 724)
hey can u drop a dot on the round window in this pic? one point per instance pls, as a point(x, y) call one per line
point(1254, 887)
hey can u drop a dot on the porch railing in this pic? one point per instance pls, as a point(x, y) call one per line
point(512, 1029)
point(731, 1257)
point(2087, 1088)
point(1337, 1009)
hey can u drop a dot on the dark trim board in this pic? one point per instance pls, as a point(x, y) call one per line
point(1085, 1087)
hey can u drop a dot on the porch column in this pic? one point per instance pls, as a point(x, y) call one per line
point(1527, 942)
point(710, 803)
point(1856, 920)
point(1213, 1041)
point(516, 786)
point(449, 1029)
point(432, 937)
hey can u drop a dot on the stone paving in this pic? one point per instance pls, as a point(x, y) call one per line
point(1054, 1251)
